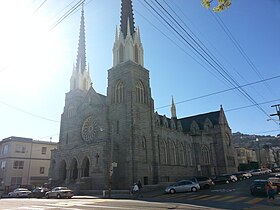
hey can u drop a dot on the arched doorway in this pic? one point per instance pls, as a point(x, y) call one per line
point(85, 167)
point(74, 169)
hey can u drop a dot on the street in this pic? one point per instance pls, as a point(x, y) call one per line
point(225, 196)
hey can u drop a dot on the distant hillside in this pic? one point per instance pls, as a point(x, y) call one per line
point(249, 141)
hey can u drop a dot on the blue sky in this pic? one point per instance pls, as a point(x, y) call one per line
point(36, 62)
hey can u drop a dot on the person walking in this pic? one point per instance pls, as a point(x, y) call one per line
point(270, 191)
point(135, 190)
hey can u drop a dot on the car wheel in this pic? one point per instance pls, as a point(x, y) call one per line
point(172, 191)
point(47, 196)
point(58, 196)
point(193, 189)
point(69, 197)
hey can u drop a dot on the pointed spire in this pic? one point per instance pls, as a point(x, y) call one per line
point(173, 109)
point(81, 55)
point(127, 17)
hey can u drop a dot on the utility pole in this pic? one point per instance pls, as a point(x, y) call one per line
point(277, 107)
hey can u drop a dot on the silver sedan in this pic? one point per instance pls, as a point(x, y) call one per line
point(60, 192)
point(182, 186)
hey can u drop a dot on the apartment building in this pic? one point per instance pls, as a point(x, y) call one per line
point(24, 161)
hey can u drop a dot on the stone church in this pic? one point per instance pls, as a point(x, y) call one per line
point(113, 140)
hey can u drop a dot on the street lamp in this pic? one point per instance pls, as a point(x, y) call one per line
point(260, 159)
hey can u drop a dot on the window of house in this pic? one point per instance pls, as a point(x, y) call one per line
point(5, 149)
point(18, 164)
point(3, 164)
point(20, 149)
point(44, 150)
point(42, 170)
point(15, 181)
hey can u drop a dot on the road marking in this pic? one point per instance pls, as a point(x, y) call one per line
point(238, 199)
point(198, 197)
point(211, 197)
point(255, 200)
point(224, 198)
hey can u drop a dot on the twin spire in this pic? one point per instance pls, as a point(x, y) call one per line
point(80, 78)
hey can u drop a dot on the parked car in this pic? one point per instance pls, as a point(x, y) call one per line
point(38, 192)
point(258, 186)
point(221, 179)
point(240, 176)
point(203, 181)
point(256, 172)
point(232, 177)
point(19, 193)
point(60, 192)
point(182, 186)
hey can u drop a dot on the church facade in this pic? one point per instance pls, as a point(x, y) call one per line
point(114, 140)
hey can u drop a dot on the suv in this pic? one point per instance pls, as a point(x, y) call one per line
point(203, 181)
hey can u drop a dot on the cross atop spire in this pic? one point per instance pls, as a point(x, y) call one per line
point(81, 55)
point(127, 18)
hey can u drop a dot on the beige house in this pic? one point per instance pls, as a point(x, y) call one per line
point(24, 161)
point(245, 155)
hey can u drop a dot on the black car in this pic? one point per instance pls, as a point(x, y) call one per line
point(203, 181)
point(221, 179)
point(258, 186)
point(38, 192)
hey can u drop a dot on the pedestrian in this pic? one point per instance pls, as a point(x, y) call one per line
point(270, 191)
point(139, 184)
point(135, 190)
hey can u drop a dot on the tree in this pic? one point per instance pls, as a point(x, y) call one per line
point(222, 4)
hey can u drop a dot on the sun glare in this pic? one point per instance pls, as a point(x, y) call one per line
point(29, 53)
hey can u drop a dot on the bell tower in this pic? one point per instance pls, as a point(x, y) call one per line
point(130, 105)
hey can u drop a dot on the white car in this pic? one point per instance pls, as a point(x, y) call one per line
point(19, 192)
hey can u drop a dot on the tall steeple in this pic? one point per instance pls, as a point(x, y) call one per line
point(173, 109)
point(127, 19)
point(127, 46)
point(80, 78)
point(81, 55)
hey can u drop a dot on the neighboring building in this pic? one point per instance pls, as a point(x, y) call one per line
point(245, 156)
point(24, 161)
point(115, 140)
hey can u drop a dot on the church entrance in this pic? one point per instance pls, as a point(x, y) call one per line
point(74, 170)
point(62, 170)
point(85, 167)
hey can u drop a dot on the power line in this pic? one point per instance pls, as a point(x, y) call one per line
point(216, 65)
point(39, 6)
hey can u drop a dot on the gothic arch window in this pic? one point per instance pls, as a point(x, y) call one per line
point(119, 92)
point(144, 148)
point(207, 124)
point(173, 153)
point(205, 153)
point(164, 150)
point(85, 167)
point(121, 54)
point(136, 58)
point(70, 111)
point(140, 92)
point(189, 160)
point(194, 127)
point(181, 154)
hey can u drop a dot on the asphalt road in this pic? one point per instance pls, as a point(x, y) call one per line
point(227, 196)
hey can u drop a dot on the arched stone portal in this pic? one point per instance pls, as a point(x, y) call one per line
point(74, 169)
point(85, 167)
